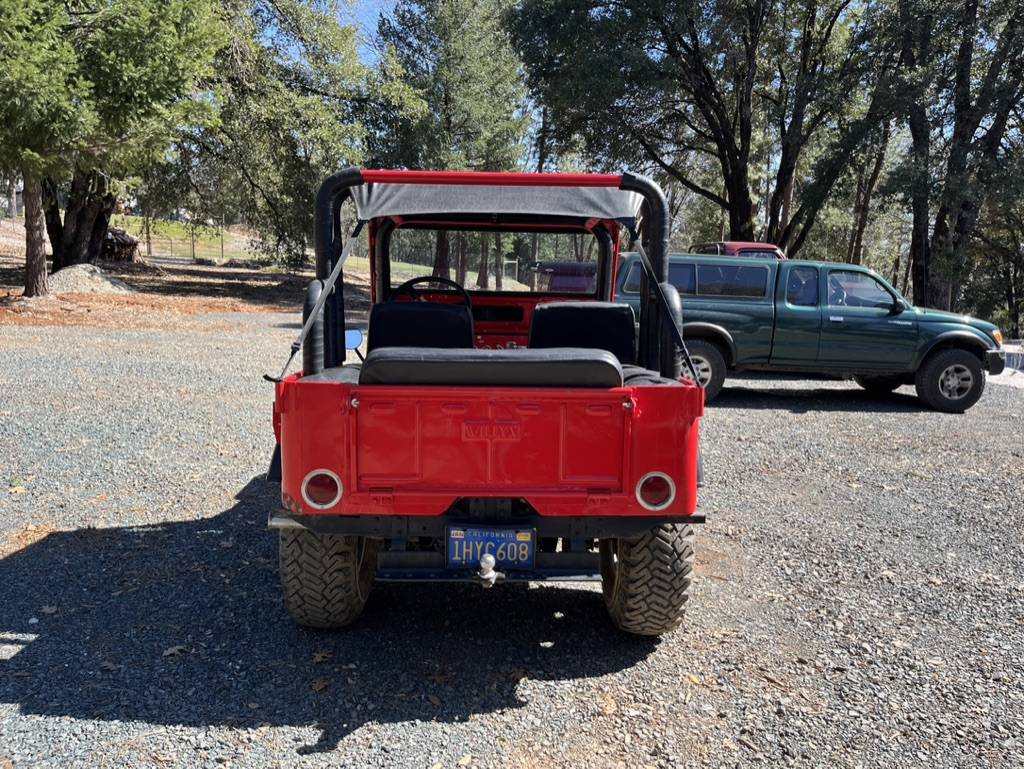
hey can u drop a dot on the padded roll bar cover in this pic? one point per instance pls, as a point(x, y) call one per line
point(671, 363)
point(419, 324)
point(313, 347)
point(327, 245)
point(555, 367)
point(599, 325)
point(656, 222)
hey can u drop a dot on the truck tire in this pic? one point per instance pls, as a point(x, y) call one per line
point(950, 380)
point(325, 578)
point(710, 363)
point(879, 385)
point(646, 580)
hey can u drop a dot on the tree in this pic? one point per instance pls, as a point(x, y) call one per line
point(456, 56)
point(88, 91)
point(726, 82)
point(961, 79)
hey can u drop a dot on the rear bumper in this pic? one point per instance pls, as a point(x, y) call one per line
point(995, 361)
point(406, 526)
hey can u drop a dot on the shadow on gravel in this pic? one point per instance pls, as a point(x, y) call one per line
point(814, 399)
point(182, 624)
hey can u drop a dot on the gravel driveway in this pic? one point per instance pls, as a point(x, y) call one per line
point(860, 600)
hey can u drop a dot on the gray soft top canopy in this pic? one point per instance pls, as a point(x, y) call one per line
point(378, 199)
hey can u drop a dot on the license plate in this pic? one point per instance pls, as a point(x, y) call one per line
point(511, 548)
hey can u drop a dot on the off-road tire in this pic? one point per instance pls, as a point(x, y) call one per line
point(325, 579)
point(711, 353)
point(646, 581)
point(879, 385)
point(928, 380)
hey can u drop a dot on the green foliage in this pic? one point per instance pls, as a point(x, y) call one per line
point(99, 84)
point(455, 55)
point(292, 94)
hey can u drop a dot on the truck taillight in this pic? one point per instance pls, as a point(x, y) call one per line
point(321, 489)
point(655, 491)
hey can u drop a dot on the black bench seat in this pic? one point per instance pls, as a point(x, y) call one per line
point(551, 367)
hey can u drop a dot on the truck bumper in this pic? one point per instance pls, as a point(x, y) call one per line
point(995, 361)
point(406, 526)
point(577, 560)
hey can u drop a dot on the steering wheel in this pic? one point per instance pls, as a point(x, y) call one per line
point(417, 296)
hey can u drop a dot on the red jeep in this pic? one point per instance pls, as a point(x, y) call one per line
point(524, 433)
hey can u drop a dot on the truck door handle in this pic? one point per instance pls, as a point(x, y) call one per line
point(836, 318)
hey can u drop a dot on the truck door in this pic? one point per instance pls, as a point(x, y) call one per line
point(797, 315)
point(860, 329)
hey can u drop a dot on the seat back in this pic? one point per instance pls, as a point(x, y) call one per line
point(595, 325)
point(419, 324)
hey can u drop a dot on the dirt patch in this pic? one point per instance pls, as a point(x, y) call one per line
point(19, 539)
point(160, 293)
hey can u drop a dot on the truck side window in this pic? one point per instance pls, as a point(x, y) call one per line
point(681, 276)
point(722, 280)
point(802, 288)
point(632, 283)
point(847, 288)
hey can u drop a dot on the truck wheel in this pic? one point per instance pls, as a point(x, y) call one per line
point(709, 361)
point(879, 385)
point(646, 580)
point(325, 578)
point(950, 380)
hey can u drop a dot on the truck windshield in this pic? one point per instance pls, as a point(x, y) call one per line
point(491, 260)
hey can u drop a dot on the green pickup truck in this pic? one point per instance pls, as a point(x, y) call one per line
point(822, 318)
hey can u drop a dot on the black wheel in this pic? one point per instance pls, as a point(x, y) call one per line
point(950, 380)
point(646, 581)
point(710, 363)
point(879, 385)
point(325, 579)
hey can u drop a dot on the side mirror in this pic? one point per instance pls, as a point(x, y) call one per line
point(353, 338)
point(897, 307)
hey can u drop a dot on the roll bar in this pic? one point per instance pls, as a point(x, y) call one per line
point(328, 237)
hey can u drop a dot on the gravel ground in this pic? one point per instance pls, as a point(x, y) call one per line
point(860, 598)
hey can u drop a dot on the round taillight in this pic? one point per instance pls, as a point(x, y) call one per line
point(655, 491)
point(321, 489)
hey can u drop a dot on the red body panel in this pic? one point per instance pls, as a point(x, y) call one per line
point(415, 450)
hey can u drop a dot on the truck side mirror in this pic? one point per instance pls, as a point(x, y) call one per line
point(353, 338)
point(897, 307)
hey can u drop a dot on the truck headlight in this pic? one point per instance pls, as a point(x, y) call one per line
point(998, 336)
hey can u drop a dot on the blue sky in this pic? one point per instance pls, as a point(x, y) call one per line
point(364, 13)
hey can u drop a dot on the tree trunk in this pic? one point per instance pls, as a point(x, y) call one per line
point(865, 189)
point(12, 197)
point(442, 251)
point(54, 225)
point(146, 218)
point(100, 227)
point(531, 274)
point(461, 267)
point(499, 261)
point(483, 279)
point(86, 218)
point(920, 250)
point(35, 238)
point(741, 207)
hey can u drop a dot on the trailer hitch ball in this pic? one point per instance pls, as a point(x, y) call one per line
point(488, 576)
